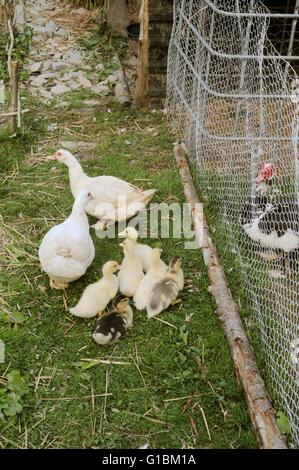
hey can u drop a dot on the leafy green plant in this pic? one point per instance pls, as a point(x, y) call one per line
point(283, 423)
point(12, 393)
point(13, 317)
point(19, 53)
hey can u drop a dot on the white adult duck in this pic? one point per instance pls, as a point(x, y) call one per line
point(114, 199)
point(67, 249)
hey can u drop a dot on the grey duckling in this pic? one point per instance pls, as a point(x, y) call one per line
point(166, 291)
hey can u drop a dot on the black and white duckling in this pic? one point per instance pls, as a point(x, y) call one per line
point(97, 296)
point(166, 291)
point(114, 325)
point(130, 272)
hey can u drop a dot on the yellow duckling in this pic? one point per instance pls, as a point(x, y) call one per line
point(156, 272)
point(130, 272)
point(142, 251)
point(97, 296)
point(165, 292)
point(114, 325)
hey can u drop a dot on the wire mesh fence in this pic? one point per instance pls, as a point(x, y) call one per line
point(234, 100)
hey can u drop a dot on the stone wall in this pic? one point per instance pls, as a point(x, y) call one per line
point(121, 13)
point(161, 19)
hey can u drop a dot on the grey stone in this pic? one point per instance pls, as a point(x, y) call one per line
point(60, 89)
point(61, 32)
point(44, 93)
point(38, 81)
point(118, 17)
point(51, 26)
point(59, 65)
point(74, 86)
point(36, 67)
point(69, 145)
point(33, 12)
point(75, 57)
point(85, 82)
point(77, 145)
point(40, 31)
point(113, 78)
point(20, 17)
point(66, 77)
point(47, 65)
point(47, 75)
point(100, 89)
point(57, 56)
point(38, 21)
point(91, 103)
point(52, 127)
point(121, 94)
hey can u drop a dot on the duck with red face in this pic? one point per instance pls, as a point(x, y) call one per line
point(270, 222)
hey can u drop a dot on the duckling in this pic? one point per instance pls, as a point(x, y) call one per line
point(175, 272)
point(165, 292)
point(112, 326)
point(130, 272)
point(97, 296)
point(142, 251)
point(156, 272)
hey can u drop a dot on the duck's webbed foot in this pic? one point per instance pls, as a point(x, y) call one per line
point(58, 285)
point(103, 225)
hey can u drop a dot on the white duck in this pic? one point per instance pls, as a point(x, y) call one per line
point(154, 275)
point(114, 199)
point(67, 249)
point(97, 296)
point(131, 272)
point(143, 252)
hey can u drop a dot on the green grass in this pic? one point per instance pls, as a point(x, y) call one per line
point(59, 411)
point(160, 364)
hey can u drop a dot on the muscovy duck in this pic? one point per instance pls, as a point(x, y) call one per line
point(271, 221)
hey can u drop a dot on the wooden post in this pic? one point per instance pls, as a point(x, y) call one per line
point(142, 83)
point(14, 95)
point(260, 409)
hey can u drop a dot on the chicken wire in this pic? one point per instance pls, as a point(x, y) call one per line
point(230, 98)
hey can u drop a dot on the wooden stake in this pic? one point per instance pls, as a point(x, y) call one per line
point(142, 83)
point(261, 411)
point(14, 98)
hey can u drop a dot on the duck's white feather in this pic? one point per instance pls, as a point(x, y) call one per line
point(67, 249)
point(105, 190)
